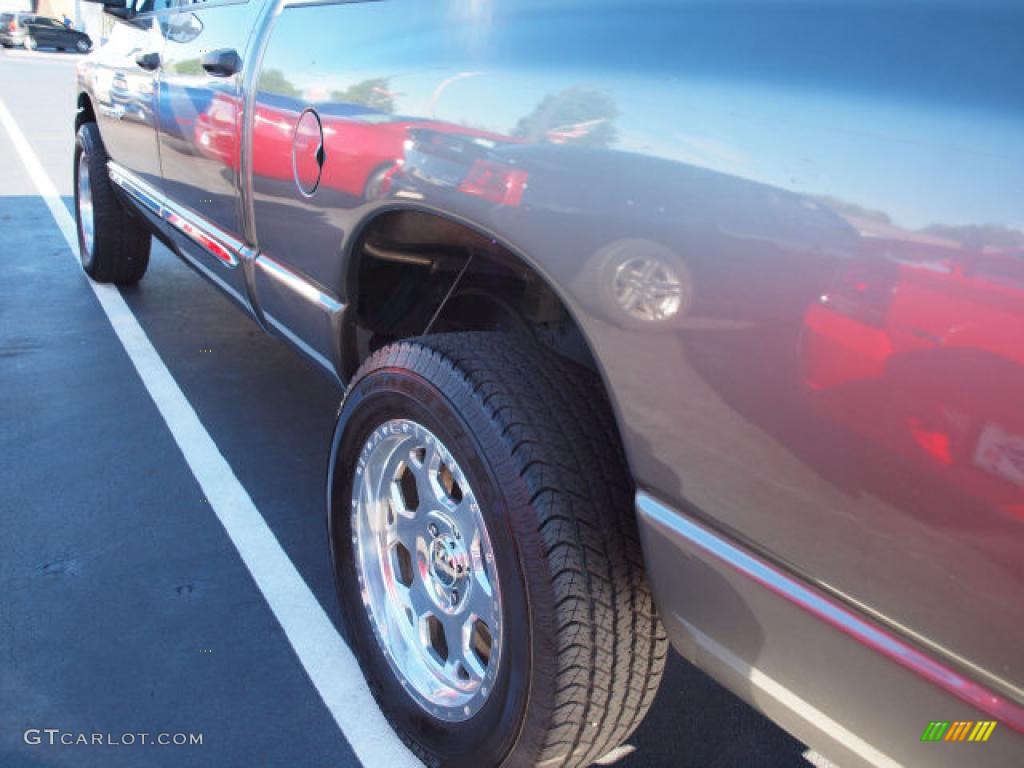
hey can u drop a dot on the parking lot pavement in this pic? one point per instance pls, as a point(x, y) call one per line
point(37, 55)
point(127, 606)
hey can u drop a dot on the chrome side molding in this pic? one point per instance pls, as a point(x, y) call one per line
point(676, 525)
point(298, 284)
point(231, 252)
point(222, 246)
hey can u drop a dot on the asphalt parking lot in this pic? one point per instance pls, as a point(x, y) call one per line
point(127, 606)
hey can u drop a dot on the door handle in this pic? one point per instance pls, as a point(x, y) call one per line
point(148, 61)
point(223, 62)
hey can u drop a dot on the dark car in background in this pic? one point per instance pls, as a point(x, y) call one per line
point(31, 32)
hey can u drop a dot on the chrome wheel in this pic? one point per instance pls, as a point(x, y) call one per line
point(82, 46)
point(426, 569)
point(86, 222)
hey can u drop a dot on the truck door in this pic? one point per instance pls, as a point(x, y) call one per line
point(199, 115)
point(127, 69)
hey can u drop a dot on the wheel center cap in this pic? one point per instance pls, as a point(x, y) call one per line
point(447, 561)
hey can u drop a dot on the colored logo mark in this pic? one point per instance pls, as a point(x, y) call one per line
point(958, 730)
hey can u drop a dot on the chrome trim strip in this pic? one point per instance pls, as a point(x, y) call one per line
point(789, 699)
point(217, 280)
point(675, 524)
point(226, 249)
point(298, 284)
point(136, 187)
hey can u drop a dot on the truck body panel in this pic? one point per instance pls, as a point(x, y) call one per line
point(791, 237)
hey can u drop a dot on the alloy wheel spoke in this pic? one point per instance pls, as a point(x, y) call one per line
point(465, 514)
point(417, 600)
point(481, 602)
point(457, 667)
point(418, 457)
point(405, 530)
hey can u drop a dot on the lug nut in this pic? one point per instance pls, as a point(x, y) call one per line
point(455, 596)
point(433, 530)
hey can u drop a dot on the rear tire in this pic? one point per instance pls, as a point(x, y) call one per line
point(581, 647)
point(113, 242)
point(375, 188)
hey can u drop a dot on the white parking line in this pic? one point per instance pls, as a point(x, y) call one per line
point(326, 658)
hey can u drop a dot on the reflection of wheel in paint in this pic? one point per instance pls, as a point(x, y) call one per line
point(83, 46)
point(637, 284)
point(30, 43)
point(647, 289)
point(379, 183)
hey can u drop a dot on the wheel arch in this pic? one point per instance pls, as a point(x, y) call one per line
point(556, 320)
point(436, 235)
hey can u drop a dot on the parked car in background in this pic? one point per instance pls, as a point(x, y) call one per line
point(31, 32)
point(374, 142)
point(672, 322)
point(12, 29)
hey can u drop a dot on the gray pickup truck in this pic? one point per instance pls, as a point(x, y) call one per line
point(688, 322)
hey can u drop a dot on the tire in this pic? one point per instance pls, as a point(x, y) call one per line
point(375, 187)
point(581, 650)
point(120, 243)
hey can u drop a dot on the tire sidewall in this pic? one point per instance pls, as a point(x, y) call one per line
point(488, 737)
